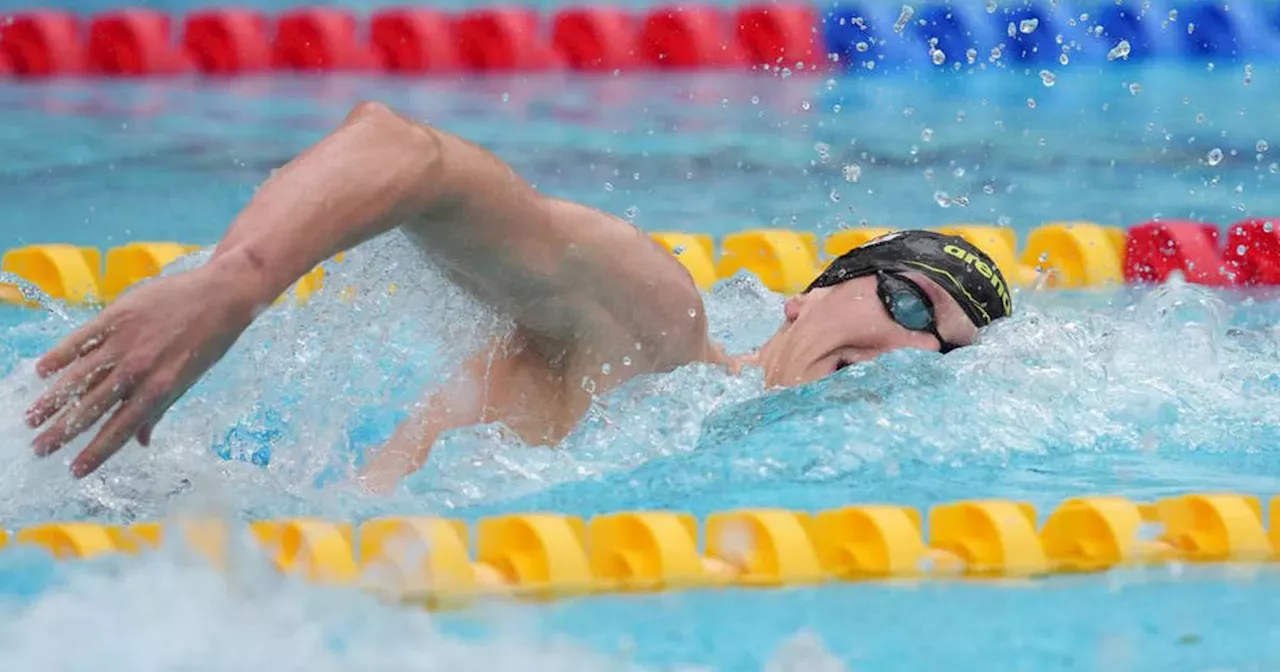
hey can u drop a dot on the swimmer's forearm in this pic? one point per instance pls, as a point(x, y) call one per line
point(372, 174)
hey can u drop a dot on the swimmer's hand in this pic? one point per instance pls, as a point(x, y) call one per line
point(138, 356)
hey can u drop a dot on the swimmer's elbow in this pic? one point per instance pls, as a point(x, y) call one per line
point(410, 153)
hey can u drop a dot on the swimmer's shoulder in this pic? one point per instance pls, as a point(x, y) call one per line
point(642, 292)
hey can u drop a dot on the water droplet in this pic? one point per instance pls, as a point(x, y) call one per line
point(988, 189)
point(608, 186)
point(942, 199)
point(836, 108)
point(1135, 88)
point(971, 55)
point(1191, 28)
point(1011, 30)
point(834, 196)
point(1031, 103)
point(1173, 15)
point(1268, 226)
point(804, 105)
point(958, 172)
point(861, 46)
point(1241, 249)
point(1028, 26)
point(626, 361)
point(1261, 146)
point(693, 313)
point(939, 57)
point(1063, 58)
point(588, 385)
point(678, 250)
point(1214, 156)
point(926, 134)
point(991, 6)
point(1200, 118)
point(755, 100)
point(1119, 51)
point(1248, 74)
point(1047, 77)
point(852, 172)
point(606, 368)
point(631, 212)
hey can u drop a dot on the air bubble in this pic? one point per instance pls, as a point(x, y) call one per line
point(1262, 146)
point(903, 17)
point(834, 196)
point(926, 134)
point(1028, 26)
point(606, 368)
point(1214, 157)
point(1135, 88)
point(1119, 51)
point(626, 361)
point(1063, 59)
point(939, 57)
point(608, 186)
point(852, 172)
point(861, 46)
point(1031, 103)
point(1048, 78)
point(971, 55)
point(991, 6)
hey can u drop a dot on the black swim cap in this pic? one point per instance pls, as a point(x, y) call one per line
point(966, 272)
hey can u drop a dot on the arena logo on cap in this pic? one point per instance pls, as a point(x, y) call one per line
point(972, 260)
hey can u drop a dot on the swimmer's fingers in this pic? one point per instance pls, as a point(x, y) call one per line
point(126, 422)
point(80, 416)
point(145, 431)
point(88, 338)
point(82, 377)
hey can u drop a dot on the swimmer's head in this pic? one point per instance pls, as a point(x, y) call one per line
point(908, 289)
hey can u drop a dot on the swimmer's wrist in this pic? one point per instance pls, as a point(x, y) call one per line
point(244, 279)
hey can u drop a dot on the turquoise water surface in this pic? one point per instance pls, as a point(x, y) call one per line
point(1144, 392)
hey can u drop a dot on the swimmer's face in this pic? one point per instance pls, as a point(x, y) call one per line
point(829, 328)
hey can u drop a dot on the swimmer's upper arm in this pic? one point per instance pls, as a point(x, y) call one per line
point(561, 269)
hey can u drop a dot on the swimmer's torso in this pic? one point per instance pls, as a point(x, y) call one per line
point(538, 391)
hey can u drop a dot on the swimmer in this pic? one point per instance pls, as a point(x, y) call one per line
point(583, 288)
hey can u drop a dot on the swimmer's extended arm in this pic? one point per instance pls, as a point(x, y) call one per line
point(562, 271)
point(558, 268)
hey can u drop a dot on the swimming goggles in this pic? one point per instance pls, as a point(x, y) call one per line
point(909, 306)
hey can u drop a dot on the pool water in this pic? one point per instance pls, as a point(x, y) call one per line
point(1143, 393)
